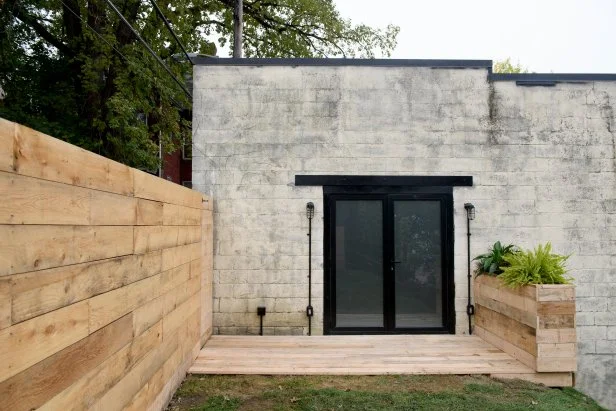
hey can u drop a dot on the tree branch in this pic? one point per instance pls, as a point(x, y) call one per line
point(206, 22)
point(270, 22)
point(31, 21)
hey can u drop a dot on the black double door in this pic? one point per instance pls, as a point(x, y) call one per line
point(389, 263)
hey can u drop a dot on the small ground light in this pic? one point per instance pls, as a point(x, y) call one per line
point(260, 313)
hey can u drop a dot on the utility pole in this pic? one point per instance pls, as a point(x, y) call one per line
point(238, 24)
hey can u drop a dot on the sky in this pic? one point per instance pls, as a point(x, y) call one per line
point(566, 36)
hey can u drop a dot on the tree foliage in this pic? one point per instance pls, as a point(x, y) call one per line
point(72, 69)
point(505, 66)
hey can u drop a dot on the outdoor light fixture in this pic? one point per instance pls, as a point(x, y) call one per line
point(470, 308)
point(310, 209)
point(470, 211)
point(309, 309)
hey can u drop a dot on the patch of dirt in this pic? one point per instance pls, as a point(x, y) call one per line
point(257, 404)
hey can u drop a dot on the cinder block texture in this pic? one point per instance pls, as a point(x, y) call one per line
point(542, 158)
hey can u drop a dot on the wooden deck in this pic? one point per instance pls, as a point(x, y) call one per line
point(363, 355)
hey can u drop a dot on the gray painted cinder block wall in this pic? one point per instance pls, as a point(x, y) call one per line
point(542, 158)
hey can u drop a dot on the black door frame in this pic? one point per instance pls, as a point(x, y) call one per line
point(388, 194)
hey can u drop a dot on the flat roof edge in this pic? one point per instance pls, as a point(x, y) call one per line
point(205, 61)
point(542, 78)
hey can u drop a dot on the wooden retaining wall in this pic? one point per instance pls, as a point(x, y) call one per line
point(105, 279)
point(534, 324)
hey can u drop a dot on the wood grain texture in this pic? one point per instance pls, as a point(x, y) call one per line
point(27, 343)
point(178, 295)
point(535, 324)
point(173, 381)
point(34, 247)
point(147, 315)
point(31, 200)
point(7, 136)
point(176, 256)
point(174, 277)
point(154, 188)
point(556, 308)
point(565, 335)
point(5, 303)
point(38, 292)
point(513, 350)
point(52, 375)
point(98, 262)
point(163, 384)
point(106, 308)
point(357, 354)
point(150, 238)
point(523, 316)
point(174, 320)
point(555, 292)
point(112, 209)
point(557, 364)
point(123, 392)
point(42, 156)
point(207, 271)
point(518, 334)
point(28, 200)
point(179, 215)
point(149, 212)
point(88, 390)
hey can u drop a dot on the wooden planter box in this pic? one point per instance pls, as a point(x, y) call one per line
point(535, 324)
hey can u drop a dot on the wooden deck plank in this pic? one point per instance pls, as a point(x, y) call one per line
point(354, 355)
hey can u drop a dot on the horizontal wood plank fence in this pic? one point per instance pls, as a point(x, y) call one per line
point(105, 278)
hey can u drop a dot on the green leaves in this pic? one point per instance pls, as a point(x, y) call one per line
point(73, 70)
point(505, 66)
point(493, 261)
point(539, 266)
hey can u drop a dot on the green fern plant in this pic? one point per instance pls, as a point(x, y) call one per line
point(493, 261)
point(538, 266)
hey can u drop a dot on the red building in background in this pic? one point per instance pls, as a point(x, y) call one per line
point(177, 166)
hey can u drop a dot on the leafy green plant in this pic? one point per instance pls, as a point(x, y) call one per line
point(491, 262)
point(538, 266)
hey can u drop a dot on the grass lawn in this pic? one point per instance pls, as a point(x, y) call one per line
point(391, 392)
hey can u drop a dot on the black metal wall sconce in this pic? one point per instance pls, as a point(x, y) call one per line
point(309, 309)
point(470, 211)
point(470, 308)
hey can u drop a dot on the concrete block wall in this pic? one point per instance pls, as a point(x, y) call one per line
point(561, 144)
point(542, 159)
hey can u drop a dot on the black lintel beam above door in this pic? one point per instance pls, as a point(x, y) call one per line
point(361, 180)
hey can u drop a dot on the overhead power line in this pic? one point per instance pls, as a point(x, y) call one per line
point(95, 32)
point(162, 16)
point(100, 36)
point(147, 46)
